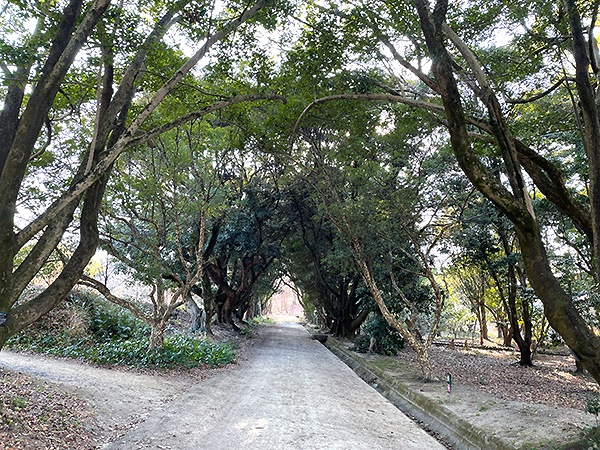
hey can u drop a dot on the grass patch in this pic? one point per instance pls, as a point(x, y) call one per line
point(386, 363)
point(486, 406)
point(19, 402)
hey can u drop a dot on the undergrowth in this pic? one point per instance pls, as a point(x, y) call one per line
point(387, 340)
point(87, 328)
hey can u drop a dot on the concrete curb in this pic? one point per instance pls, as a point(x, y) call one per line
point(461, 434)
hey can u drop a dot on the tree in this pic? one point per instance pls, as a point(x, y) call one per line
point(155, 220)
point(33, 110)
point(515, 201)
point(247, 246)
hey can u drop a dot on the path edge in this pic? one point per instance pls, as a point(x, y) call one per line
point(461, 434)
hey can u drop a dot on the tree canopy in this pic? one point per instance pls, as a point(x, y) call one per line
point(366, 151)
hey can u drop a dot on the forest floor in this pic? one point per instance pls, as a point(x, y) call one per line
point(534, 408)
point(50, 403)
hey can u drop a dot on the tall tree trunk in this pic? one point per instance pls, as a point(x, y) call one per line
point(558, 306)
point(505, 330)
point(483, 323)
point(250, 312)
point(523, 340)
point(480, 321)
point(209, 303)
point(225, 312)
point(19, 135)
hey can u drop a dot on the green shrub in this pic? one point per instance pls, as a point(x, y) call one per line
point(592, 406)
point(106, 320)
point(362, 344)
point(102, 321)
point(110, 322)
point(388, 340)
point(115, 336)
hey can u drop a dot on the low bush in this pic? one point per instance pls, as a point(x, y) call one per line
point(387, 340)
point(108, 334)
point(362, 343)
point(179, 350)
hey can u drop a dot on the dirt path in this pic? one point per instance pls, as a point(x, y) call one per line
point(119, 399)
point(290, 393)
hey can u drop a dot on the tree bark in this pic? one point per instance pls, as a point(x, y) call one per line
point(157, 334)
point(209, 303)
point(506, 335)
point(523, 340)
point(483, 323)
point(232, 298)
point(196, 314)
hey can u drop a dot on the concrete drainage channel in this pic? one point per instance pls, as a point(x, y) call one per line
point(459, 433)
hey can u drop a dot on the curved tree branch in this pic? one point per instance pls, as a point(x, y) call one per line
point(103, 165)
point(384, 97)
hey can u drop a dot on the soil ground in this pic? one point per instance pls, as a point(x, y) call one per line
point(289, 393)
point(48, 403)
